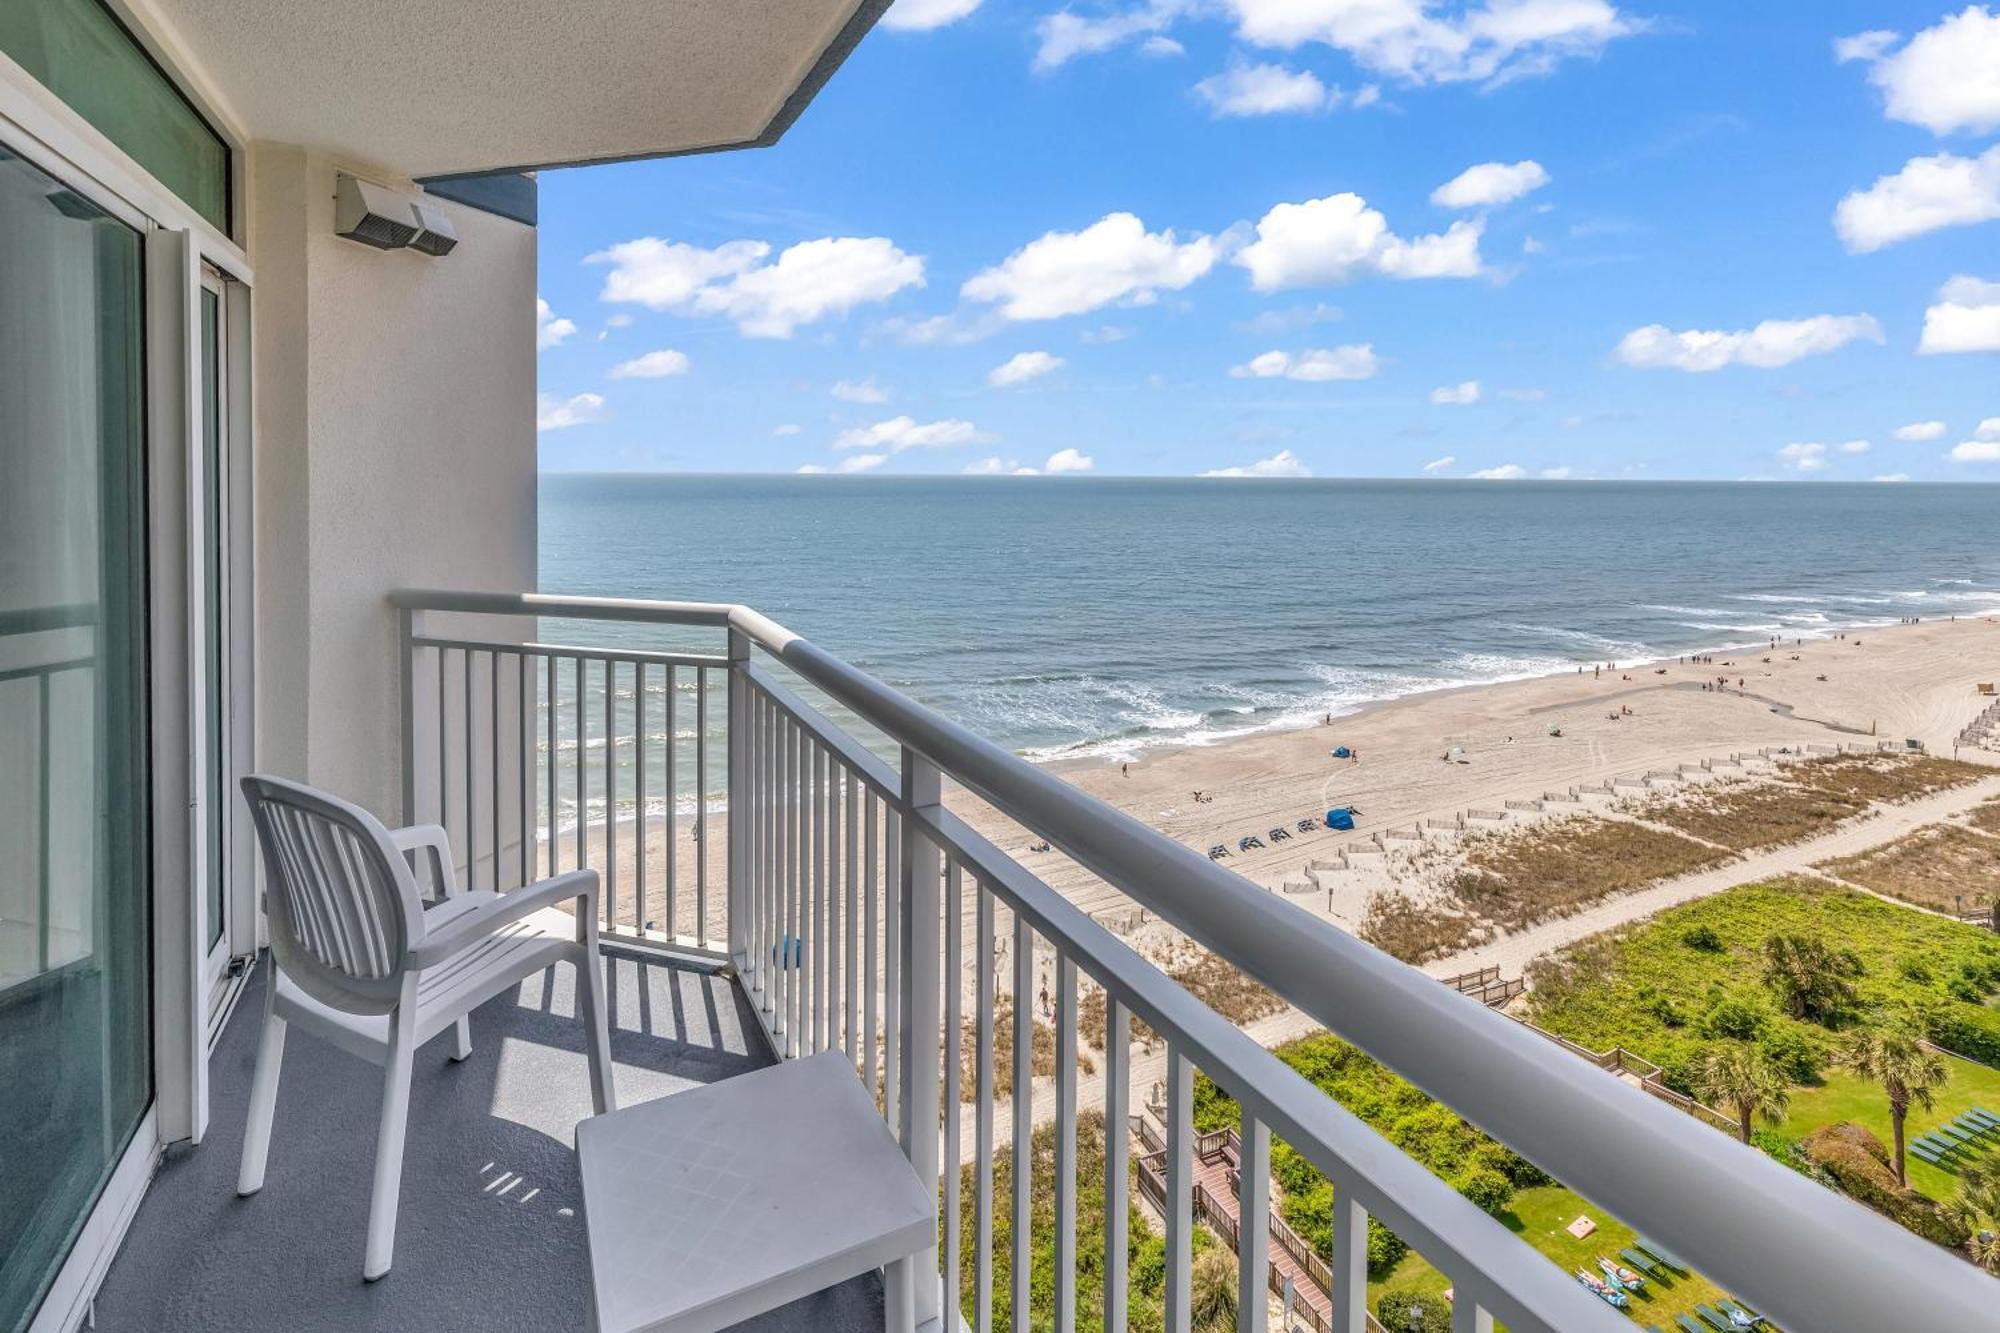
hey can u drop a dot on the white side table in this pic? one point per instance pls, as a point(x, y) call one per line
point(710, 1206)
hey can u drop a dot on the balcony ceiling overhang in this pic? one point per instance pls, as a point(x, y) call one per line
point(441, 87)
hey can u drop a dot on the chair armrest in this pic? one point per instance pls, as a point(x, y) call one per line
point(433, 839)
point(469, 927)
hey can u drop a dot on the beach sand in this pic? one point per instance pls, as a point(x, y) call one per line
point(1914, 681)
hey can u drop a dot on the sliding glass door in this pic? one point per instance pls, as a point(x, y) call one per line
point(75, 1022)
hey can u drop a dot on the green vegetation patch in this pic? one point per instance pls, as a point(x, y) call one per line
point(1698, 973)
point(1884, 777)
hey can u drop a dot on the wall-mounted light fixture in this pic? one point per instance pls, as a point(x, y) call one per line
point(389, 219)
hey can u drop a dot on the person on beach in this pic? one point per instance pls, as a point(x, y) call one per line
point(1124, 770)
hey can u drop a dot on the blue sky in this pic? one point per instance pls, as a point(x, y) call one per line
point(1706, 240)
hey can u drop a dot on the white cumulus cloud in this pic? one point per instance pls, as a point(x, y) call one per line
point(1022, 367)
point(810, 281)
point(1490, 184)
point(1966, 318)
point(1332, 240)
point(1352, 361)
point(1437, 465)
point(900, 433)
point(1855, 447)
point(1073, 272)
point(1976, 451)
point(1864, 45)
point(1456, 395)
point(553, 413)
point(1068, 460)
point(1411, 41)
point(1946, 78)
point(1944, 190)
point(1556, 473)
point(651, 366)
point(1284, 463)
point(1505, 472)
point(788, 428)
point(550, 330)
point(1773, 343)
point(859, 391)
point(1921, 430)
point(1804, 457)
point(1263, 90)
point(924, 15)
point(1989, 429)
point(1065, 35)
point(1891, 478)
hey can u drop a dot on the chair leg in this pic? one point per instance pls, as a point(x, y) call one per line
point(263, 1101)
point(596, 1031)
point(389, 1143)
point(461, 1039)
point(899, 1296)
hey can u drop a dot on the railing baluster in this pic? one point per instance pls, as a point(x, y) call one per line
point(470, 847)
point(982, 1115)
point(788, 886)
point(1180, 1189)
point(493, 754)
point(444, 743)
point(892, 966)
point(581, 751)
point(923, 1018)
point(610, 885)
point(701, 807)
point(640, 671)
point(954, 1077)
point(829, 946)
point(810, 935)
point(549, 667)
point(1253, 1231)
point(853, 968)
point(1021, 1261)
point(869, 898)
point(673, 809)
point(1350, 1262)
point(1117, 1155)
point(1065, 1144)
point(524, 764)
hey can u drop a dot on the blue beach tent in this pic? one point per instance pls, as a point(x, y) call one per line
point(1340, 817)
point(1341, 752)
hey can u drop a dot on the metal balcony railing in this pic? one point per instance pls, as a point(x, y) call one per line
point(851, 901)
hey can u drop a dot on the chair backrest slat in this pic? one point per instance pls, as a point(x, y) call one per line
point(343, 904)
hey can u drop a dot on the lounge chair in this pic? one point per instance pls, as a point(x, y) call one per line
point(1732, 1309)
point(1278, 834)
point(1663, 1254)
point(1644, 1263)
point(1245, 844)
point(1217, 852)
point(1715, 1319)
point(1688, 1324)
point(1308, 825)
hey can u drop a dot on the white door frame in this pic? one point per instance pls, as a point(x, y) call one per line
point(178, 243)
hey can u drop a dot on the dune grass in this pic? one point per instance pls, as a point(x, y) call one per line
point(1538, 874)
point(1747, 815)
point(1210, 978)
point(1884, 777)
point(1401, 927)
point(1940, 866)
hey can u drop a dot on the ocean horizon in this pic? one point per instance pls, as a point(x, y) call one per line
point(1098, 618)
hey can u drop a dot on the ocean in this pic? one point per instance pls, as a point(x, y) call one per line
point(1094, 618)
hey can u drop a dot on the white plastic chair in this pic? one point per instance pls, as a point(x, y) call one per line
point(362, 962)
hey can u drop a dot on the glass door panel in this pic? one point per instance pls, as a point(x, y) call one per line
point(75, 1025)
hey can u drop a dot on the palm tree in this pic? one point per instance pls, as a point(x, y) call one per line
point(1812, 978)
point(1979, 1188)
point(1737, 1076)
point(1212, 1290)
point(1909, 1072)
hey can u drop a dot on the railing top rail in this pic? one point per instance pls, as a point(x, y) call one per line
point(1631, 1154)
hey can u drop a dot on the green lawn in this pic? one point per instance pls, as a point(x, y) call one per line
point(1846, 1097)
point(1539, 1215)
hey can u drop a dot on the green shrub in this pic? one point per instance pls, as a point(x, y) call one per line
point(1971, 1030)
point(1915, 969)
point(1733, 1017)
point(1702, 937)
point(1406, 1311)
point(1488, 1189)
point(1794, 1054)
point(1385, 1249)
point(1859, 1167)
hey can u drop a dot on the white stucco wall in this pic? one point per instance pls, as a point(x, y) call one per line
point(395, 448)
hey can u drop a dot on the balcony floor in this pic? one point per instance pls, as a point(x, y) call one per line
point(490, 1235)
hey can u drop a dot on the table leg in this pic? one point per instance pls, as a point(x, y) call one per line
point(899, 1296)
